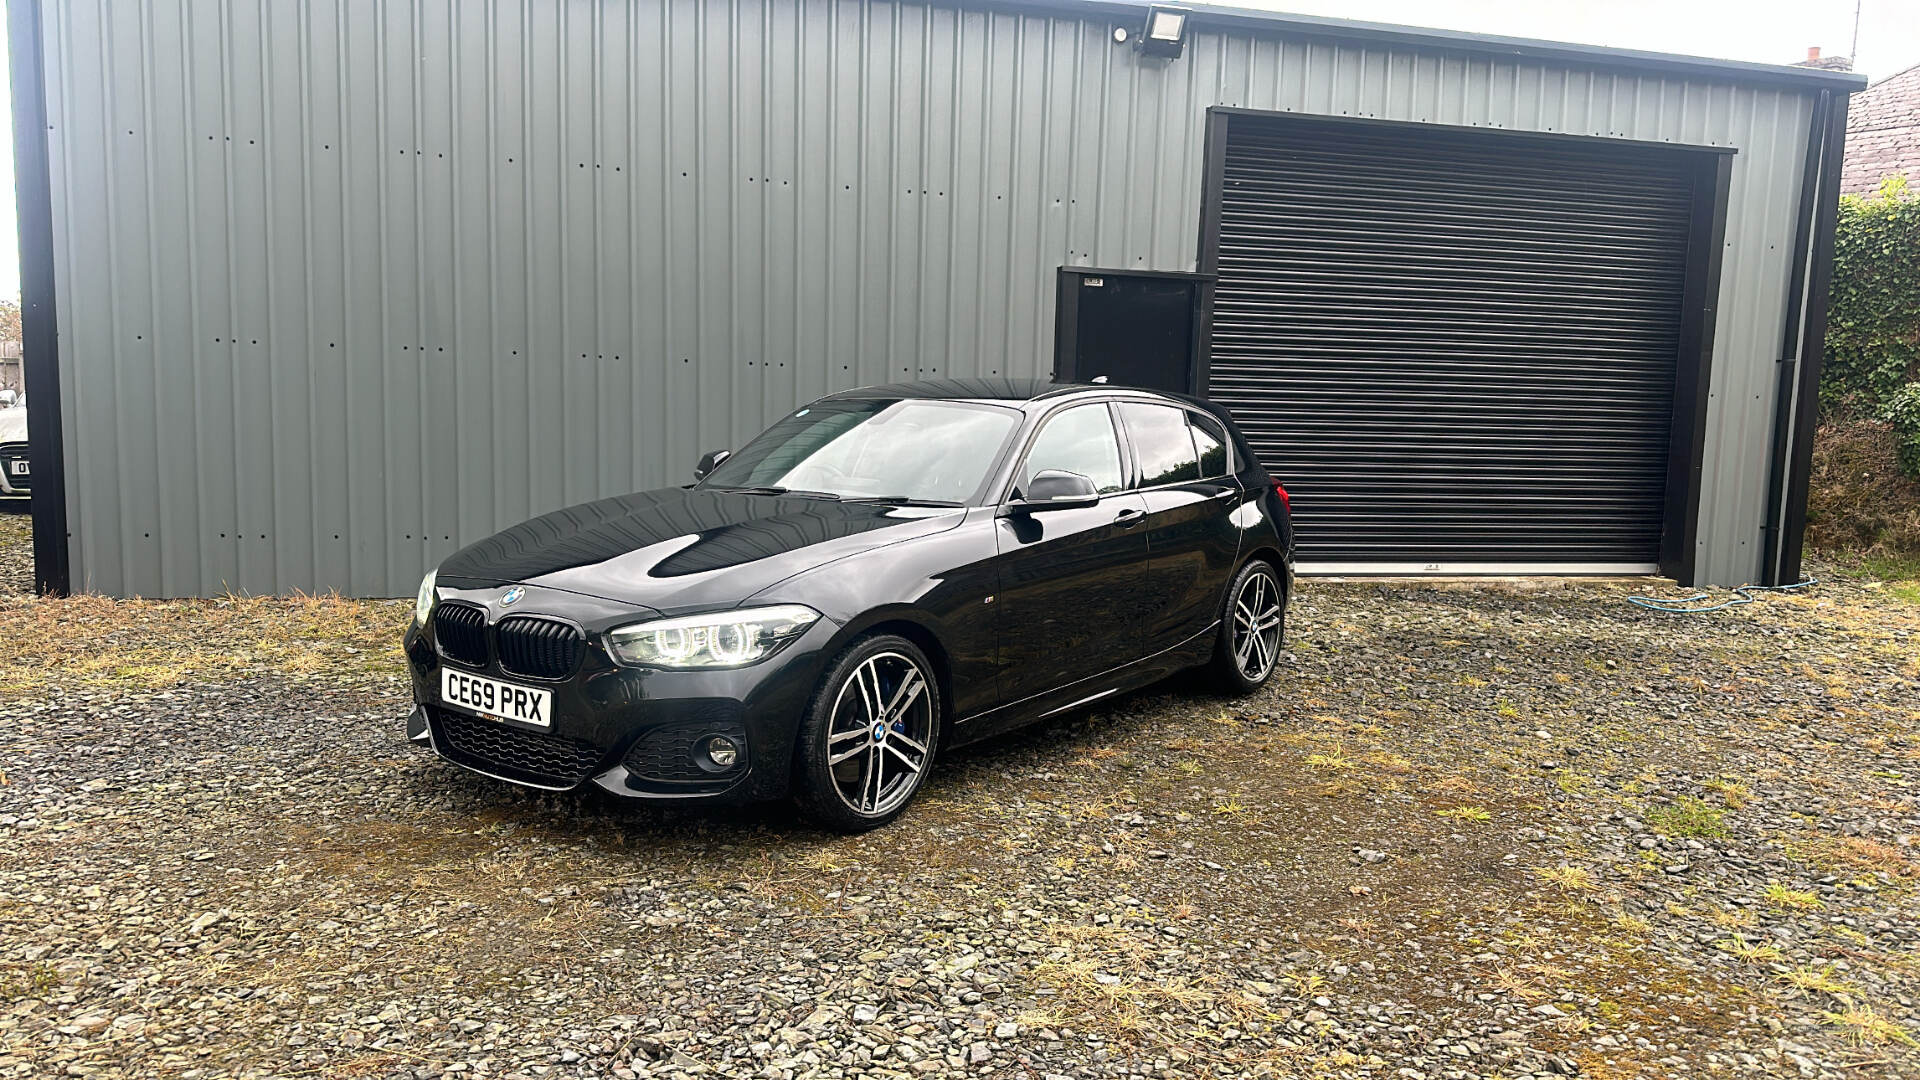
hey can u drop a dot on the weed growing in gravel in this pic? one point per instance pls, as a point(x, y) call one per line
point(31, 981)
point(1734, 793)
point(1864, 1027)
point(1688, 818)
point(1853, 854)
point(1572, 783)
point(1231, 808)
point(1305, 985)
point(1632, 924)
point(1733, 918)
point(1791, 899)
point(1466, 813)
point(1515, 984)
point(1568, 879)
point(1748, 953)
point(1333, 759)
point(1817, 980)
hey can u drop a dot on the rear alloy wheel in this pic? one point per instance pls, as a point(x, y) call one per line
point(1250, 630)
point(869, 736)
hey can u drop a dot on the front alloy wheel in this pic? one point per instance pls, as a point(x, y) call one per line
point(1250, 629)
point(870, 735)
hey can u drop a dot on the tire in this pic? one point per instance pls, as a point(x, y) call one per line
point(1231, 672)
point(848, 795)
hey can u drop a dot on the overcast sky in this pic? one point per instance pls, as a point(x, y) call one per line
point(1765, 31)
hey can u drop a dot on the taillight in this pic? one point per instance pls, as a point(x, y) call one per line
point(1286, 500)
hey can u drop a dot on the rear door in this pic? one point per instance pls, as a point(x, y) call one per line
point(1071, 581)
point(1182, 470)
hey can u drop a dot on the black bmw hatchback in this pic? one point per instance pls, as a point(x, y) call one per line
point(881, 575)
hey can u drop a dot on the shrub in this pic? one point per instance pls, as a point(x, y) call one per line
point(1903, 412)
point(1873, 316)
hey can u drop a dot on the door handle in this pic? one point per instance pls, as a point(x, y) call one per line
point(1227, 494)
point(1127, 519)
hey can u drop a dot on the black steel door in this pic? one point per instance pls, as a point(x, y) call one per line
point(1129, 327)
point(1452, 349)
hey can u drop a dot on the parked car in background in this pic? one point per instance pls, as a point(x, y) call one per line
point(881, 575)
point(16, 475)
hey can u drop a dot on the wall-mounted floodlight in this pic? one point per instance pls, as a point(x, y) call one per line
point(1165, 33)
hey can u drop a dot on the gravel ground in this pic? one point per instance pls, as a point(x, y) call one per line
point(1498, 830)
point(16, 550)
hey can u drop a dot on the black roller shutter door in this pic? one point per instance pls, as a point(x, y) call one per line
point(1452, 348)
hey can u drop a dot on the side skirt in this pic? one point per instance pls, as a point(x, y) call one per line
point(1130, 676)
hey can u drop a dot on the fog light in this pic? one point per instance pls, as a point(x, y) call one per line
point(722, 752)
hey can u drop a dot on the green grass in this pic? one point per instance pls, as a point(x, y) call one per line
point(1902, 567)
point(1688, 817)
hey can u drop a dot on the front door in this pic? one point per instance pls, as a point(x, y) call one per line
point(1071, 579)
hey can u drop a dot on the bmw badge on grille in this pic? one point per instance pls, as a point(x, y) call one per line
point(512, 596)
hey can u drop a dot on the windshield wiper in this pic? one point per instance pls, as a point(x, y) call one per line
point(770, 489)
point(903, 500)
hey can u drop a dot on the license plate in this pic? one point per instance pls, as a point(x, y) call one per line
point(494, 699)
point(20, 468)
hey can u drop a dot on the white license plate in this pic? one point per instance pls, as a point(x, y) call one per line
point(20, 468)
point(494, 699)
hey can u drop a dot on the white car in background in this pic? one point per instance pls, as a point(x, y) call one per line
point(16, 476)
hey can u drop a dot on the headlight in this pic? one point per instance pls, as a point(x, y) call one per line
point(423, 604)
point(723, 639)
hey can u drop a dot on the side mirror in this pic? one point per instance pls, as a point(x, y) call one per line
point(1057, 489)
point(709, 461)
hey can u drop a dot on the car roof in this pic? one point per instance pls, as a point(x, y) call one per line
point(980, 389)
point(986, 389)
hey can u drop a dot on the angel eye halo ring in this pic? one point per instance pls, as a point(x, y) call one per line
point(721, 639)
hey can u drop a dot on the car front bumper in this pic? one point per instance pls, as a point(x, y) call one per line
point(13, 486)
point(635, 733)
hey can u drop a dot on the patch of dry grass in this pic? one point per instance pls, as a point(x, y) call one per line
point(1857, 855)
point(1568, 879)
point(1104, 979)
point(1780, 896)
point(141, 645)
point(1688, 817)
point(1858, 502)
point(1862, 1026)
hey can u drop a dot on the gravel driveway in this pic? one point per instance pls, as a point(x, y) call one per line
point(1470, 831)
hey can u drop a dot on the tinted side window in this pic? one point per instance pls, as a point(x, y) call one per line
point(1160, 443)
point(1080, 440)
point(1211, 440)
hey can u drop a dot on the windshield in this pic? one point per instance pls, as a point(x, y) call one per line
point(913, 451)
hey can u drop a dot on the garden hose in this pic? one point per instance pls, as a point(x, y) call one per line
point(1741, 596)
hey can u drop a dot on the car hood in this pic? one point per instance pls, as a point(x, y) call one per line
point(683, 549)
point(13, 424)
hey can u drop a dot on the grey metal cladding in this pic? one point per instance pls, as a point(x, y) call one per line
point(344, 284)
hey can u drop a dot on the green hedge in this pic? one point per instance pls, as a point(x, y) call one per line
point(1873, 319)
point(1902, 410)
point(1873, 326)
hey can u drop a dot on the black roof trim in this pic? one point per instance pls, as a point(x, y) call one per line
point(1510, 48)
point(995, 389)
point(978, 389)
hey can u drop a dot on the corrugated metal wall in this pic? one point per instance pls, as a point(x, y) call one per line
point(346, 283)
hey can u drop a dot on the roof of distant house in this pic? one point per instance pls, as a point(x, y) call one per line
point(1883, 133)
